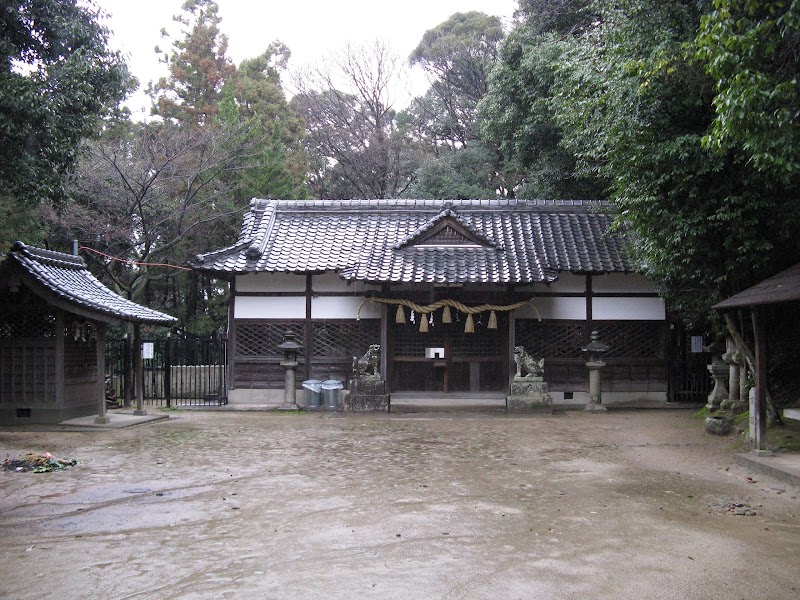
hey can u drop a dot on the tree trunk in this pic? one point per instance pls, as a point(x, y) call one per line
point(772, 414)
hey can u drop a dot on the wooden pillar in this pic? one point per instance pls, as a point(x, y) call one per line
point(58, 396)
point(308, 334)
point(102, 414)
point(758, 418)
point(230, 345)
point(138, 369)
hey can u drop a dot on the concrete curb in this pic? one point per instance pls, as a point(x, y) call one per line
point(784, 467)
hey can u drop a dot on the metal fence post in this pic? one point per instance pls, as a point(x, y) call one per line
point(127, 370)
point(168, 369)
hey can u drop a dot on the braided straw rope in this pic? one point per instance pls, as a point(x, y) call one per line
point(429, 308)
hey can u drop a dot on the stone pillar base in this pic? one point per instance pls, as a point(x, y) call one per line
point(367, 395)
point(595, 407)
point(529, 396)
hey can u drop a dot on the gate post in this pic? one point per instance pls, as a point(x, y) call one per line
point(127, 371)
point(168, 369)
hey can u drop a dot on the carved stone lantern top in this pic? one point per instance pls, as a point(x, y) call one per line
point(290, 347)
point(595, 348)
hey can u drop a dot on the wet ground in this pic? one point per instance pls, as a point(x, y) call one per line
point(633, 504)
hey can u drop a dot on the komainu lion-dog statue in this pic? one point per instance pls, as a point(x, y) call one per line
point(527, 366)
point(369, 364)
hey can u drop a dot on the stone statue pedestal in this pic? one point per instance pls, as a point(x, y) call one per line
point(529, 395)
point(367, 394)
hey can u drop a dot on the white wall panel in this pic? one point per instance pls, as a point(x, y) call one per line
point(343, 307)
point(280, 307)
point(629, 309)
point(555, 308)
point(271, 282)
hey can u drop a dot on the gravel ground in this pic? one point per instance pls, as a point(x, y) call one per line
point(628, 504)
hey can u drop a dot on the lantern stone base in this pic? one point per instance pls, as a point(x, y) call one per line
point(367, 395)
point(529, 396)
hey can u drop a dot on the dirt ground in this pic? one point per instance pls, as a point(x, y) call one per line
point(628, 504)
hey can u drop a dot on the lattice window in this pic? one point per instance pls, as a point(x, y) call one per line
point(80, 350)
point(632, 339)
point(625, 339)
point(408, 341)
point(551, 339)
point(25, 315)
point(483, 342)
point(344, 340)
point(262, 339)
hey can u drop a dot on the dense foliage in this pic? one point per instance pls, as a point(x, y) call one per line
point(57, 79)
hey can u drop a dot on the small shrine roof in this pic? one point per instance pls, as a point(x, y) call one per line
point(63, 279)
point(404, 241)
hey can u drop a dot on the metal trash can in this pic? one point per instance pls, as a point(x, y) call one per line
point(330, 393)
point(313, 389)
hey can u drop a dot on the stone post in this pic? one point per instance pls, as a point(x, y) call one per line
point(594, 351)
point(291, 348)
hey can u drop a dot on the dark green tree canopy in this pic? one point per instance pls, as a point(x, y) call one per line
point(57, 79)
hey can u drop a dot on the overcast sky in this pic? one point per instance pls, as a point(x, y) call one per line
point(311, 29)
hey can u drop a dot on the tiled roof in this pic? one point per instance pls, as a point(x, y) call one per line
point(518, 241)
point(67, 277)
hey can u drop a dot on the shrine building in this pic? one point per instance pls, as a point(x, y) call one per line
point(447, 288)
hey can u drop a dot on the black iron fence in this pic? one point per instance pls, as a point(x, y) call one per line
point(179, 370)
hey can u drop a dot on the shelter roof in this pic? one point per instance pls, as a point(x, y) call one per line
point(783, 287)
point(63, 280)
point(424, 241)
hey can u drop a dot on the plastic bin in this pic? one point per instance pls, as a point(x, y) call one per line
point(330, 393)
point(313, 389)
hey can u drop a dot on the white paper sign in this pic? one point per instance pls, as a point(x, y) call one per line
point(147, 350)
point(697, 343)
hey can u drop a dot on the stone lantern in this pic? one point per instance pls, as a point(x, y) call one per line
point(291, 348)
point(594, 361)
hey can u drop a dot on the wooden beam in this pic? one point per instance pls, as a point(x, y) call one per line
point(758, 418)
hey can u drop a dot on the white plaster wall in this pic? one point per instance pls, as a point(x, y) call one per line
point(554, 308)
point(261, 307)
point(343, 307)
point(621, 282)
point(629, 309)
point(331, 282)
point(566, 283)
point(271, 282)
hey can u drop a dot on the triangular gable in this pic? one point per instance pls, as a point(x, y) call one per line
point(445, 230)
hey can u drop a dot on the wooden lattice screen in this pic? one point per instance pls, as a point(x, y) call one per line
point(344, 339)
point(551, 339)
point(564, 339)
point(632, 339)
point(80, 350)
point(261, 339)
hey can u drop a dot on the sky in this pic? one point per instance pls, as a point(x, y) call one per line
point(312, 29)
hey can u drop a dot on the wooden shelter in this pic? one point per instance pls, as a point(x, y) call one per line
point(53, 318)
point(783, 287)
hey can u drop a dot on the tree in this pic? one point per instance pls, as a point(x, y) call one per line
point(154, 193)
point(352, 140)
point(256, 96)
point(634, 106)
point(519, 109)
point(58, 79)
point(458, 55)
point(751, 50)
point(198, 67)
